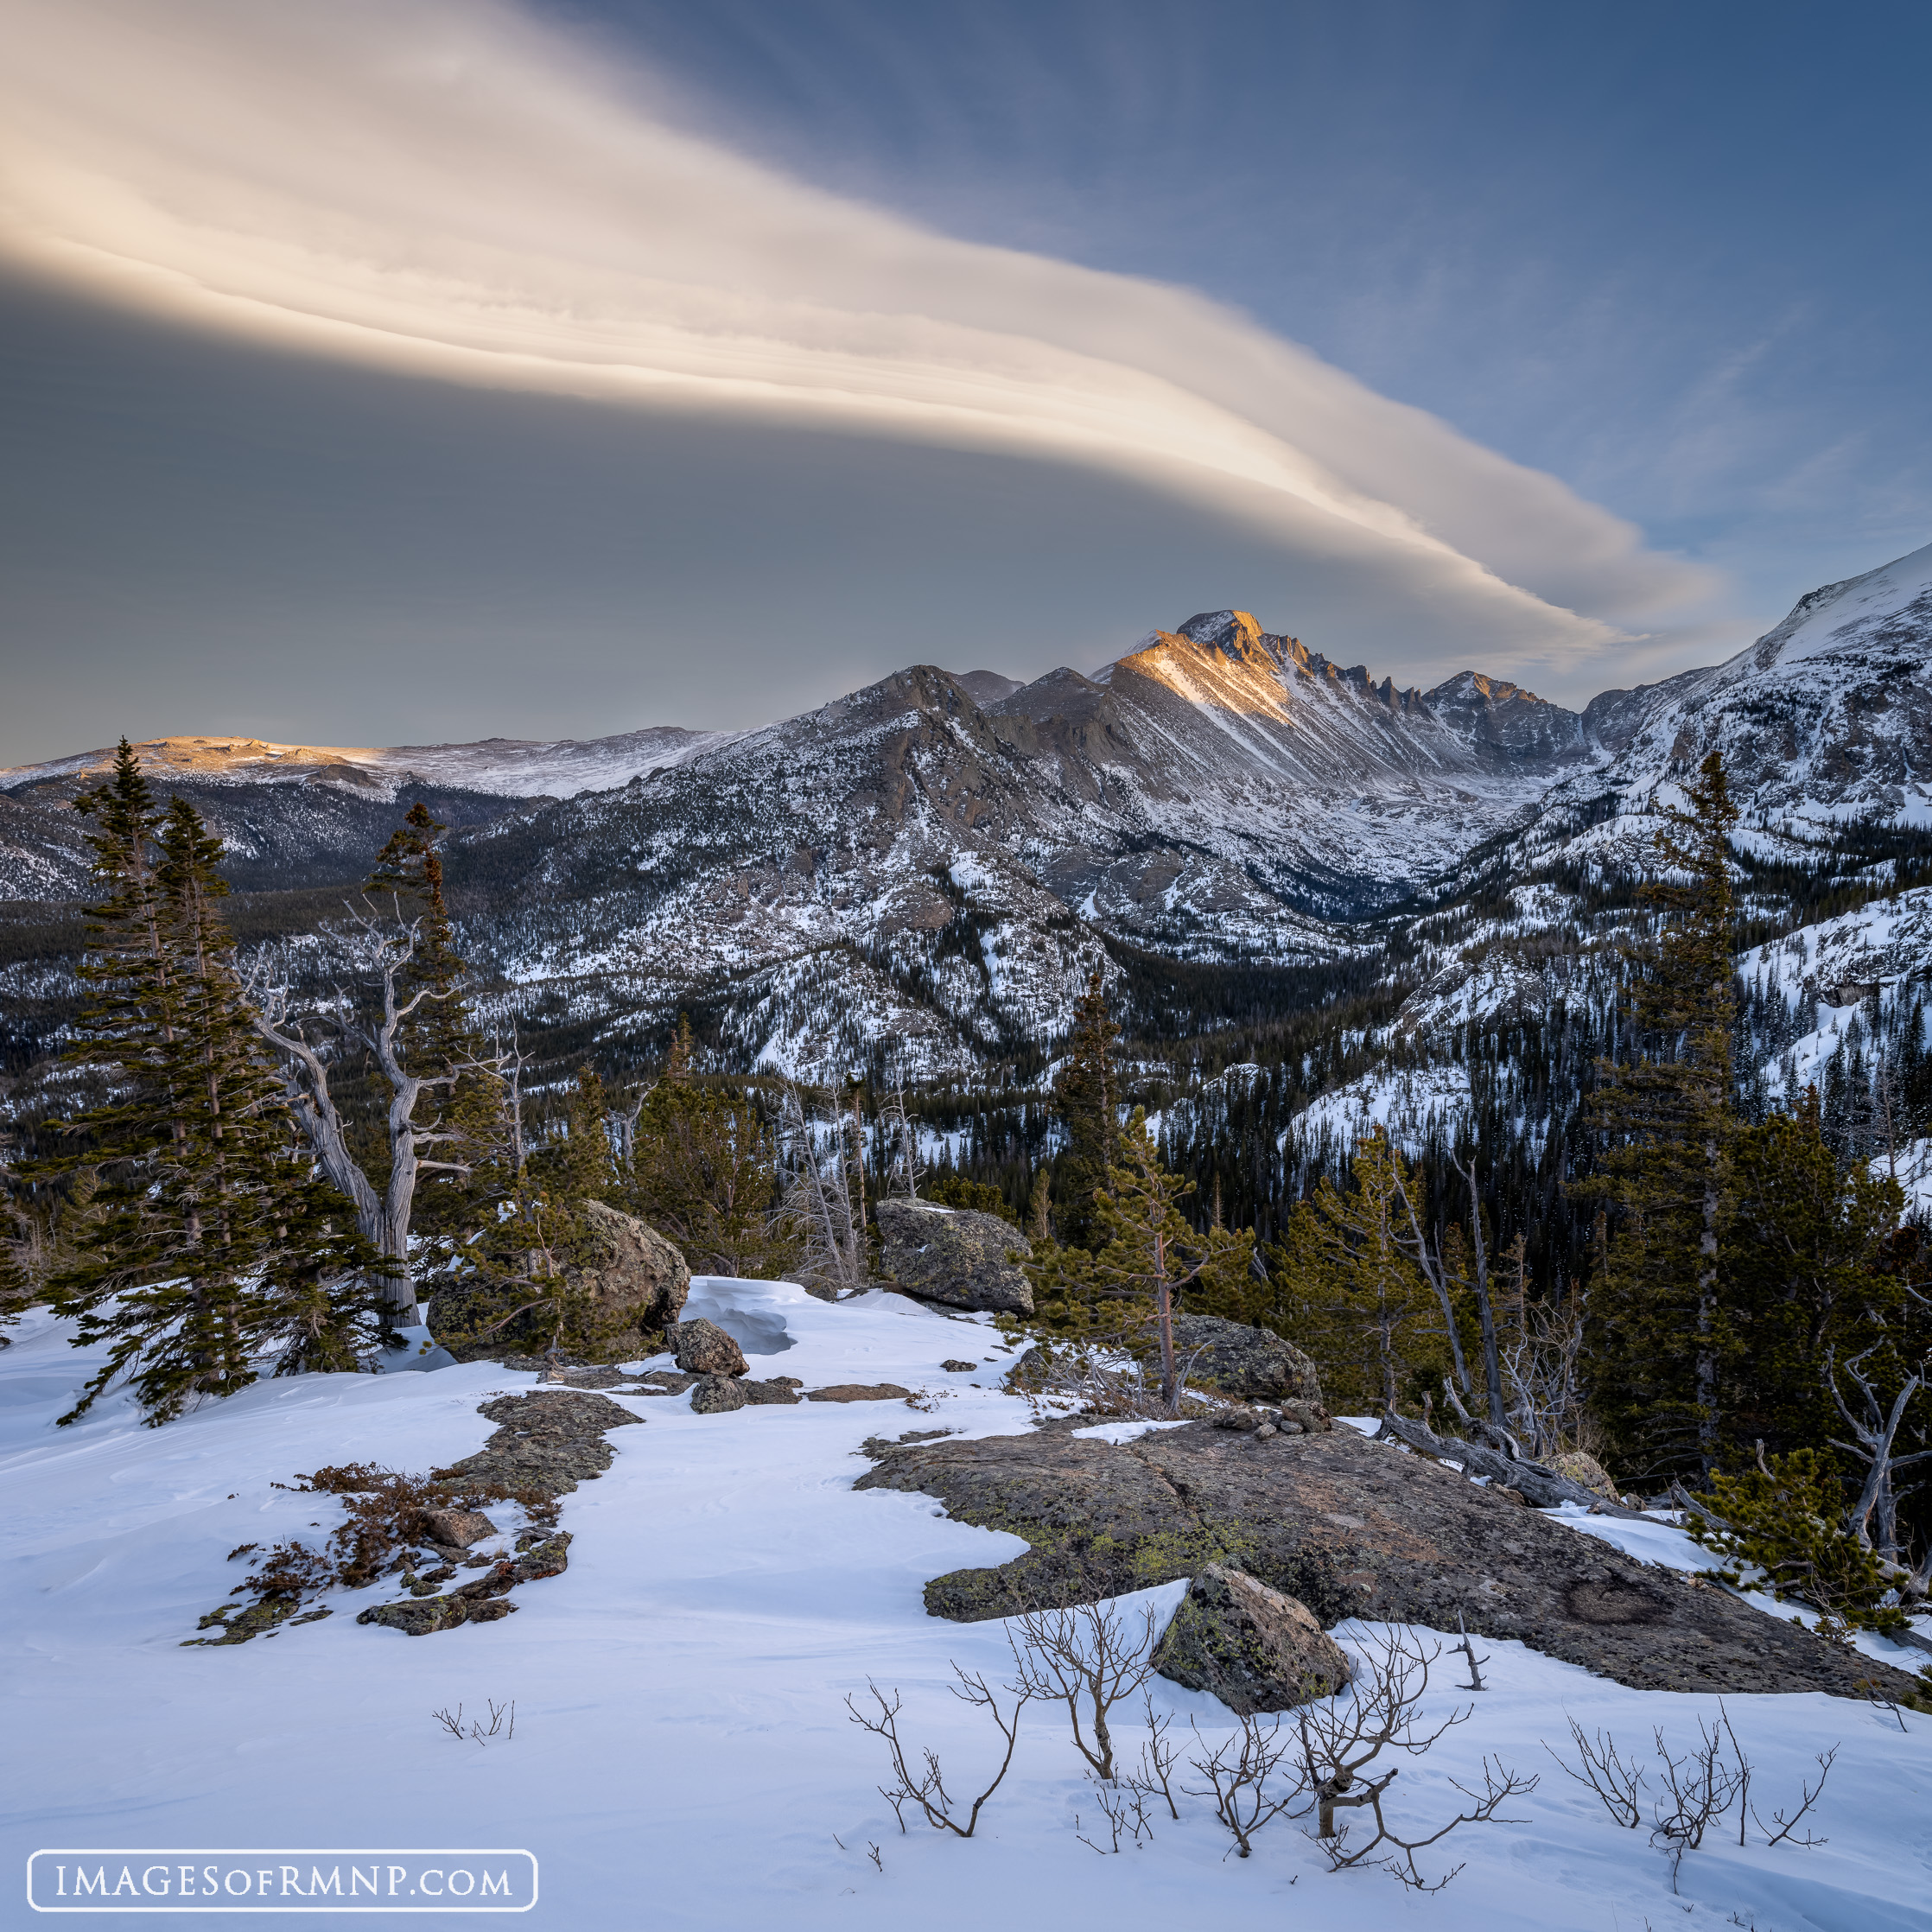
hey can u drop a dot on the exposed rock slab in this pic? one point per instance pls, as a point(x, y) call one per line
point(778, 1390)
point(1349, 1527)
point(1254, 1647)
point(548, 1440)
point(481, 1602)
point(956, 1256)
point(859, 1392)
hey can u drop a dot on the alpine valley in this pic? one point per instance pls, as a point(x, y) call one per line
point(1282, 868)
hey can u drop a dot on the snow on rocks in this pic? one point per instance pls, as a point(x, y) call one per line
point(682, 1749)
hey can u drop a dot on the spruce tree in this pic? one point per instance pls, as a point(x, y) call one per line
point(1088, 1100)
point(1666, 1119)
point(202, 1224)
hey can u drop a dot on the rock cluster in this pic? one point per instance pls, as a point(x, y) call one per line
point(956, 1256)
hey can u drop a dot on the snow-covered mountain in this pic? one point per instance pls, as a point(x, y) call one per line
point(1825, 721)
point(504, 767)
point(932, 865)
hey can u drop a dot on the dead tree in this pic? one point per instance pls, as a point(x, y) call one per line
point(382, 1217)
point(825, 1192)
point(1542, 1486)
point(1874, 1431)
point(901, 1167)
point(1428, 1256)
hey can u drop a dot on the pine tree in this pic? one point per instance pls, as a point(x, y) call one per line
point(704, 1173)
point(521, 1279)
point(202, 1230)
point(1666, 1119)
point(1804, 1280)
point(1343, 1287)
point(1088, 1100)
point(1147, 1254)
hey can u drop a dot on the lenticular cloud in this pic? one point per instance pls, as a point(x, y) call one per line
point(460, 193)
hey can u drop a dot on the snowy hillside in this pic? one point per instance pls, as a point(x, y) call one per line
point(507, 767)
point(1825, 721)
point(681, 1755)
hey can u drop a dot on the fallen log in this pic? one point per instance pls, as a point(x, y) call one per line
point(1543, 1487)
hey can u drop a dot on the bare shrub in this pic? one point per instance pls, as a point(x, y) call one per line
point(1700, 1787)
point(927, 1788)
point(476, 1731)
point(1088, 1658)
point(1342, 1738)
point(1239, 1772)
point(1698, 1790)
point(1598, 1768)
point(1158, 1759)
point(1124, 1807)
point(385, 1523)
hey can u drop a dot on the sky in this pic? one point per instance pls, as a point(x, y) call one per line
point(408, 371)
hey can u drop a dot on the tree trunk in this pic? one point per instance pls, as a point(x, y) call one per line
point(1164, 1319)
point(1707, 1321)
point(1492, 1365)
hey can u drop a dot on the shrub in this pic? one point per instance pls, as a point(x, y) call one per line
point(1782, 1518)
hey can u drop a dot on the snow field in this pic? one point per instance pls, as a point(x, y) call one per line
point(682, 1756)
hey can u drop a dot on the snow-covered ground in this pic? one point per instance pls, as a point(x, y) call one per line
point(682, 1756)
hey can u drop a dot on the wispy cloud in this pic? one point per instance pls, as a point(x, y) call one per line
point(459, 192)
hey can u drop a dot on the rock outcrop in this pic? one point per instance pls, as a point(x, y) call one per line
point(1254, 1647)
point(633, 1273)
point(704, 1348)
point(1352, 1528)
point(957, 1256)
point(1241, 1360)
point(636, 1281)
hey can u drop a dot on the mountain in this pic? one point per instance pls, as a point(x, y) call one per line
point(926, 870)
point(304, 814)
point(1825, 723)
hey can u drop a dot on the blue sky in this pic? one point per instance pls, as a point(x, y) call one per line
point(1658, 276)
point(1679, 255)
